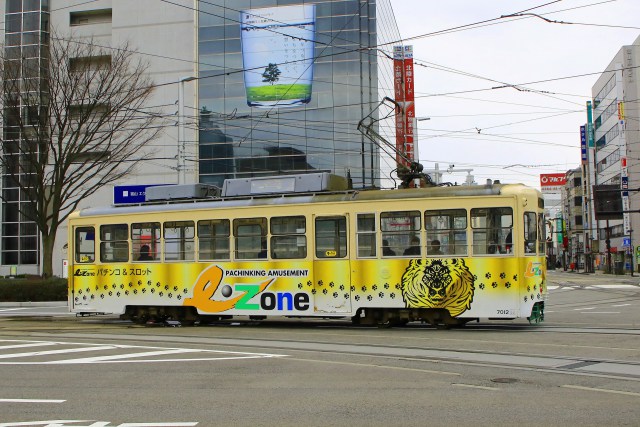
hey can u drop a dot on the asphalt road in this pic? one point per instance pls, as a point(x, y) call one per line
point(580, 367)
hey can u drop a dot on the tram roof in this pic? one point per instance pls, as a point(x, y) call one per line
point(312, 198)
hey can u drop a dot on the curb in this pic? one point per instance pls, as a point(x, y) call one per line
point(34, 304)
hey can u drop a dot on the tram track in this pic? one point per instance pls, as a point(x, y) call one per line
point(391, 356)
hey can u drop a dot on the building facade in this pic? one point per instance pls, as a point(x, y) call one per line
point(615, 162)
point(244, 88)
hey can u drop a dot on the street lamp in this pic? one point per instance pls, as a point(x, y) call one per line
point(416, 141)
point(182, 162)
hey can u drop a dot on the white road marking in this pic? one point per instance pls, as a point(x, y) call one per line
point(62, 351)
point(584, 308)
point(603, 390)
point(57, 423)
point(63, 423)
point(370, 365)
point(133, 352)
point(31, 344)
point(476, 386)
point(620, 305)
point(114, 357)
point(31, 401)
point(603, 312)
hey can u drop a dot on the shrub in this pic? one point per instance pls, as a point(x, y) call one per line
point(33, 289)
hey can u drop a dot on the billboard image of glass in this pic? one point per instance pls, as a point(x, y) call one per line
point(277, 54)
point(283, 84)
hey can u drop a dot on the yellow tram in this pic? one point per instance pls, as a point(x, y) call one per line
point(307, 246)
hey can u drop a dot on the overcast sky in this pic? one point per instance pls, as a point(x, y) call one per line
point(509, 134)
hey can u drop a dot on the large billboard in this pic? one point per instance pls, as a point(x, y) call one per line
point(552, 182)
point(277, 54)
point(282, 88)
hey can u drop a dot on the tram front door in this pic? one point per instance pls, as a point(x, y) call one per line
point(331, 266)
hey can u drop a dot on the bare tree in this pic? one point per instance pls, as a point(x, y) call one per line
point(73, 123)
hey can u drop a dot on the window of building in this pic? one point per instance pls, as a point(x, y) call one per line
point(446, 232)
point(145, 241)
point(213, 239)
point(577, 201)
point(288, 239)
point(366, 237)
point(179, 243)
point(89, 17)
point(85, 245)
point(250, 238)
point(114, 244)
point(331, 237)
point(402, 230)
point(491, 229)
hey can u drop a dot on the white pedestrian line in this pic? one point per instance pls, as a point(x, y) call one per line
point(64, 423)
point(584, 308)
point(62, 351)
point(33, 344)
point(127, 354)
point(32, 401)
point(620, 305)
point(113, 357)
point(602, 390)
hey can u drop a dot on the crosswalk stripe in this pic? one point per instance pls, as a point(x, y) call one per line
point(62, 351)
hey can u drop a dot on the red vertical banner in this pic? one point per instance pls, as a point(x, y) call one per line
point(403, 77)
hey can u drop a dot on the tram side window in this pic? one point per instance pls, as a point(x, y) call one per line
point(114, 244)
point(401, 229)
point(331, 237)
point(491, 228)
point(179, 240)
point(85, 244)
point(542, 233)
point(213, 239)
point(145, 241)
point(366, 235)
point(446, 232)
point(288, 239)
point(530, 232)
point(251, 238)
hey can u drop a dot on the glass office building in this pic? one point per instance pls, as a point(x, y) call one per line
point(26, 32)
point(283, 85)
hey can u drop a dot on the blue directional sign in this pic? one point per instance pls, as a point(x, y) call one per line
point(123, 194)
point(626, 242)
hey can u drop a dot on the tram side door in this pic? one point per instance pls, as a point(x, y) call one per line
point(331, 266)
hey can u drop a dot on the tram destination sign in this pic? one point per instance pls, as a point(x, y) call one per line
point(124, 194)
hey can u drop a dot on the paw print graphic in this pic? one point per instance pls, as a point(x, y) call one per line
point(488, 275)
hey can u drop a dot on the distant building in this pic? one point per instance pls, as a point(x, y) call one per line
point(616, 122)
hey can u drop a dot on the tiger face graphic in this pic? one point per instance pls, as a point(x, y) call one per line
point(438, 283)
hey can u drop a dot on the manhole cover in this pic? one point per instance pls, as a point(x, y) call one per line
point(504, 380)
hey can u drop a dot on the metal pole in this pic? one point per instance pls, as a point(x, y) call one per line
point(182, 155)
point(180, 131)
